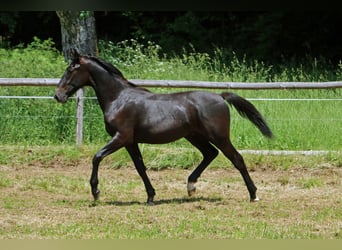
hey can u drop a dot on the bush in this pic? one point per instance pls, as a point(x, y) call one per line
point(38, 59)
point(146, 61)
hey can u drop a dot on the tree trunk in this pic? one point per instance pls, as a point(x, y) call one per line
point(78, 31)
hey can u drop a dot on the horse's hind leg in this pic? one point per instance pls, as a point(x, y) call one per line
point(233, 155)
point(209, 153)
point(136, 156)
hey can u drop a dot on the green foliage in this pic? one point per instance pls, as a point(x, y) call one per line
point(38, 59)
point(9, 20)
point(146, 60)
point(84, 14)
point(45, 122)
point(268, 36)
point(261, 35)
point(339, 71)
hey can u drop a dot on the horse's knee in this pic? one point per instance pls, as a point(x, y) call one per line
point(97, 159)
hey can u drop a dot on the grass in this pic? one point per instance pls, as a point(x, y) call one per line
point(44, 179)
point(294, 122)
point(53, 201)
point(157, 157)
point(297, 125)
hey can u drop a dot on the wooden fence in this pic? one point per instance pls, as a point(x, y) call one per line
point(186, 84)
point(169, 84)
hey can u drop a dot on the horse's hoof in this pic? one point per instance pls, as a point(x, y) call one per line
point(192, 192)
point(256, 199)
point(96, 195)
point(191, 188)
point(149, 202)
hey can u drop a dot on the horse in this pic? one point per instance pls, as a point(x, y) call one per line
point(134, 115)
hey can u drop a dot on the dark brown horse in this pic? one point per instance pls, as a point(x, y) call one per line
point(135, 115)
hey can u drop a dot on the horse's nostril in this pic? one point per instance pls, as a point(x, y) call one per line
point(58, 98)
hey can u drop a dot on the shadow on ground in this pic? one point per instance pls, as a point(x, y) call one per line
point(162, 201)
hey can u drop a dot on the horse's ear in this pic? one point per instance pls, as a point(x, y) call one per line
point(74, 55)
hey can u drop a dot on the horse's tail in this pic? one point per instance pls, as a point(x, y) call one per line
point(247, 110)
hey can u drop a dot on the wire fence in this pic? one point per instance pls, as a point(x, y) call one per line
point(301, 124)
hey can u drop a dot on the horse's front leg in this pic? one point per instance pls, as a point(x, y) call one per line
point(136, 156)
point(115, 144)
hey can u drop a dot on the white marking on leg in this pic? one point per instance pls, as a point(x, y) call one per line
point(255, 200)
point(191, 188)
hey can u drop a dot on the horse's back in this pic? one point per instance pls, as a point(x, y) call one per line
point(208, 114)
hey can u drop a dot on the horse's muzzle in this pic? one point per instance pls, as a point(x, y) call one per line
point(60, 98)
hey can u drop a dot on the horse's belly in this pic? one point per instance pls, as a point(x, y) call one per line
point(160, 134)
point(165, 123)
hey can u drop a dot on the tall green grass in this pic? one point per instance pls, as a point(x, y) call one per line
point(304, 125)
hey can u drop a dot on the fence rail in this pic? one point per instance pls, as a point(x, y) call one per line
point(186, 84)
point(169, 84)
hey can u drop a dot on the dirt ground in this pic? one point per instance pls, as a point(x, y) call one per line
point(294, 203)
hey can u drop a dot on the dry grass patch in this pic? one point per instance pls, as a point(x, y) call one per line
point(55, 202)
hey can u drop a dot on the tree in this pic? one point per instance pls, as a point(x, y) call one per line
point(78, 31)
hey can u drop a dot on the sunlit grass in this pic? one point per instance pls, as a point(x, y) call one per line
point(297, 125)
point(54, 202)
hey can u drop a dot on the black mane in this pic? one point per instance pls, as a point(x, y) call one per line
point(111, 69)
point(107, 66)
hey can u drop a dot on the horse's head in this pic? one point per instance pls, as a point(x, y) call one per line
point(75, 77)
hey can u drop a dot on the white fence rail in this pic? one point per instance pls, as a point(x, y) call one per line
point(38, 82)
point(186, 84)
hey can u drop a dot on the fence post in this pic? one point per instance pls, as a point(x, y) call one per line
point(79, 117)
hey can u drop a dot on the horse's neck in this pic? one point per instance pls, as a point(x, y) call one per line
point(107, 88)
